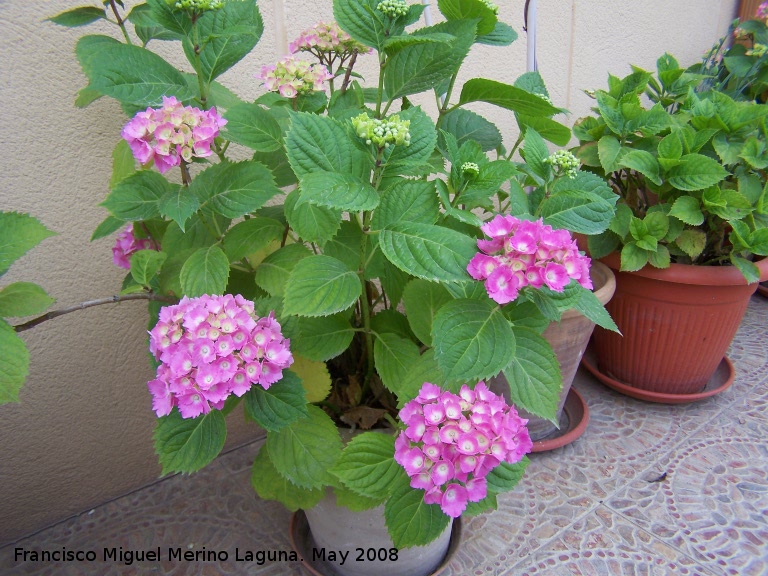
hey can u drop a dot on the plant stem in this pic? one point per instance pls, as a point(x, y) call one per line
point(380, 91)
point(186, 179)
point(120, 21)
point(151, 296)
point(198, 65)
point(348, 73)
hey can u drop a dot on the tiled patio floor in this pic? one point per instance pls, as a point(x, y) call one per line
point(648, 490)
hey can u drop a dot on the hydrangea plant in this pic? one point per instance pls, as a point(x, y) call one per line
point(340, 274)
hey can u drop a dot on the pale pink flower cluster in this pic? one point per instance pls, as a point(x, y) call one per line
point(522, 253)
point(324, 37)
point(126, 244)
point(762, 11)
point(291, 77)
point(452, 442)
point(210, 347)
point(172, 133)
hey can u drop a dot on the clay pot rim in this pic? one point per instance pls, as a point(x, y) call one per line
point(691, 274)
point(603, 277)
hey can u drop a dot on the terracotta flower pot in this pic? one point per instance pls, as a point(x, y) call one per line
point(676, 324)
point(569, 339)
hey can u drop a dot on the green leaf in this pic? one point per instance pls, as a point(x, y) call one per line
point(696, 172)
point(533, 375)
point(427, 251)
point(610, 152)
point(134, 75)
point(502, 35)
point(354, 501)
point(422, 67)
point(394, 356)
point(549, 129)
point(18, 234)
point(123, 163)
point(323, 338)
point(145, 264)
point(632, 257)
point(273, 272)
point(692, 242)
point(253, 126)
point(535, 153)
point(138, 196)
point(169, 17)
point(407, 200)
point(466, 126)
point(311, 222)
point(687, 209)
point(656, 224)
point(643, 162)
point(271, 485)
point(14, 363)
point(359, 19)
point(23, 299)
point(337, 190)
point(321, 286)
point(306, 450)
point(178, 204)
point(78, 16)
point(422, 300)
point(206, 271)
point(234, 189)
point(472, 339)
point(583, 204)
point(320, 143)
point(758, 241)
point(409, 520)
point(506, 96)
point(506, 476)
point(250, 236)
point(462, 10)
point(367, 464)
point(108, 226)
point(670, 147)
point(750, 272)
point(188, 444)
point(661, 258)
point(588, 305)
point(278, 406)
point(425, 369)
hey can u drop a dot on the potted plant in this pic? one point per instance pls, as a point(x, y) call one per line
point(689, 229)
point(332, 277)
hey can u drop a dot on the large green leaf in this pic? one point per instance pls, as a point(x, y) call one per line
point(145, 264)
point(533, 375)
point(502, 35)
point(407, 200)
point(360, 20)
point(178, 204)
point(425, 369)
point(549, 129)
point(506, 96)
point(18, 234)
point(409, 520)
point(250, 236)
point(273, 272)
point(271, 485)
point(461, 9)
point(319, 286)
point(233, 189)
point(321, 143)
point(79, 16)
point(427, 251)
point(472, 340)
point(311, 222)
point(643, 162)
point(134, 75)
point(228, 34)
point(337, 190)
point(696, 172)
point(324, 337)
point(422, 300)
point(253, 126)
point(23, 299)
point(205, 272)
point(138, 196)
point(169, 17)
point(584, 204)
point(14, 363)
point(421, 67)
point(506, 476)
point(394, 356)
point(305, 451)
point(188, 444)
point(466, 125)
point(279, 405)
point(367, 464)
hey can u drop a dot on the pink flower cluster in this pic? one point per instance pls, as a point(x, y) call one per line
point(522, 253)
point(452, 442)
point(126, 244)
point(762, 11)
point(210, 347)
point(172, 133)
point(324, 37)
point(291, 77)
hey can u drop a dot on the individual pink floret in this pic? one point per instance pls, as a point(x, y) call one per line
point(211, 347)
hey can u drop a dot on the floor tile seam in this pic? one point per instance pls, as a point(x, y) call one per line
point(685, 553)
point(743, 429)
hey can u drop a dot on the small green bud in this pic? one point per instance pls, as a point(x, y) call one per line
point(470, 169)
point(393, 8)
point(564, 161)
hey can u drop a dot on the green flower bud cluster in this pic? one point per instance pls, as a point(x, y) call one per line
point(757, 50)
point(546, 98)
point(196, 6)
point(470, 169)
point(491, 6)
point(393, 8)
point(382, 133)
point(565, 161)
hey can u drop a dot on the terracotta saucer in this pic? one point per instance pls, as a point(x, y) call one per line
point(573, 421)
point(720, 381)
point(302, 542)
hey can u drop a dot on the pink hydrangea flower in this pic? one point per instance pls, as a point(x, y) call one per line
point(126, 244)
point(211, 347)
point(762, 11)
point(291, 77)
point(172, 133)
point(326, 37)
point(452, 441)
point(521, 254)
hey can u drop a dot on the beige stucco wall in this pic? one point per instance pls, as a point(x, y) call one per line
point(82, 432)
